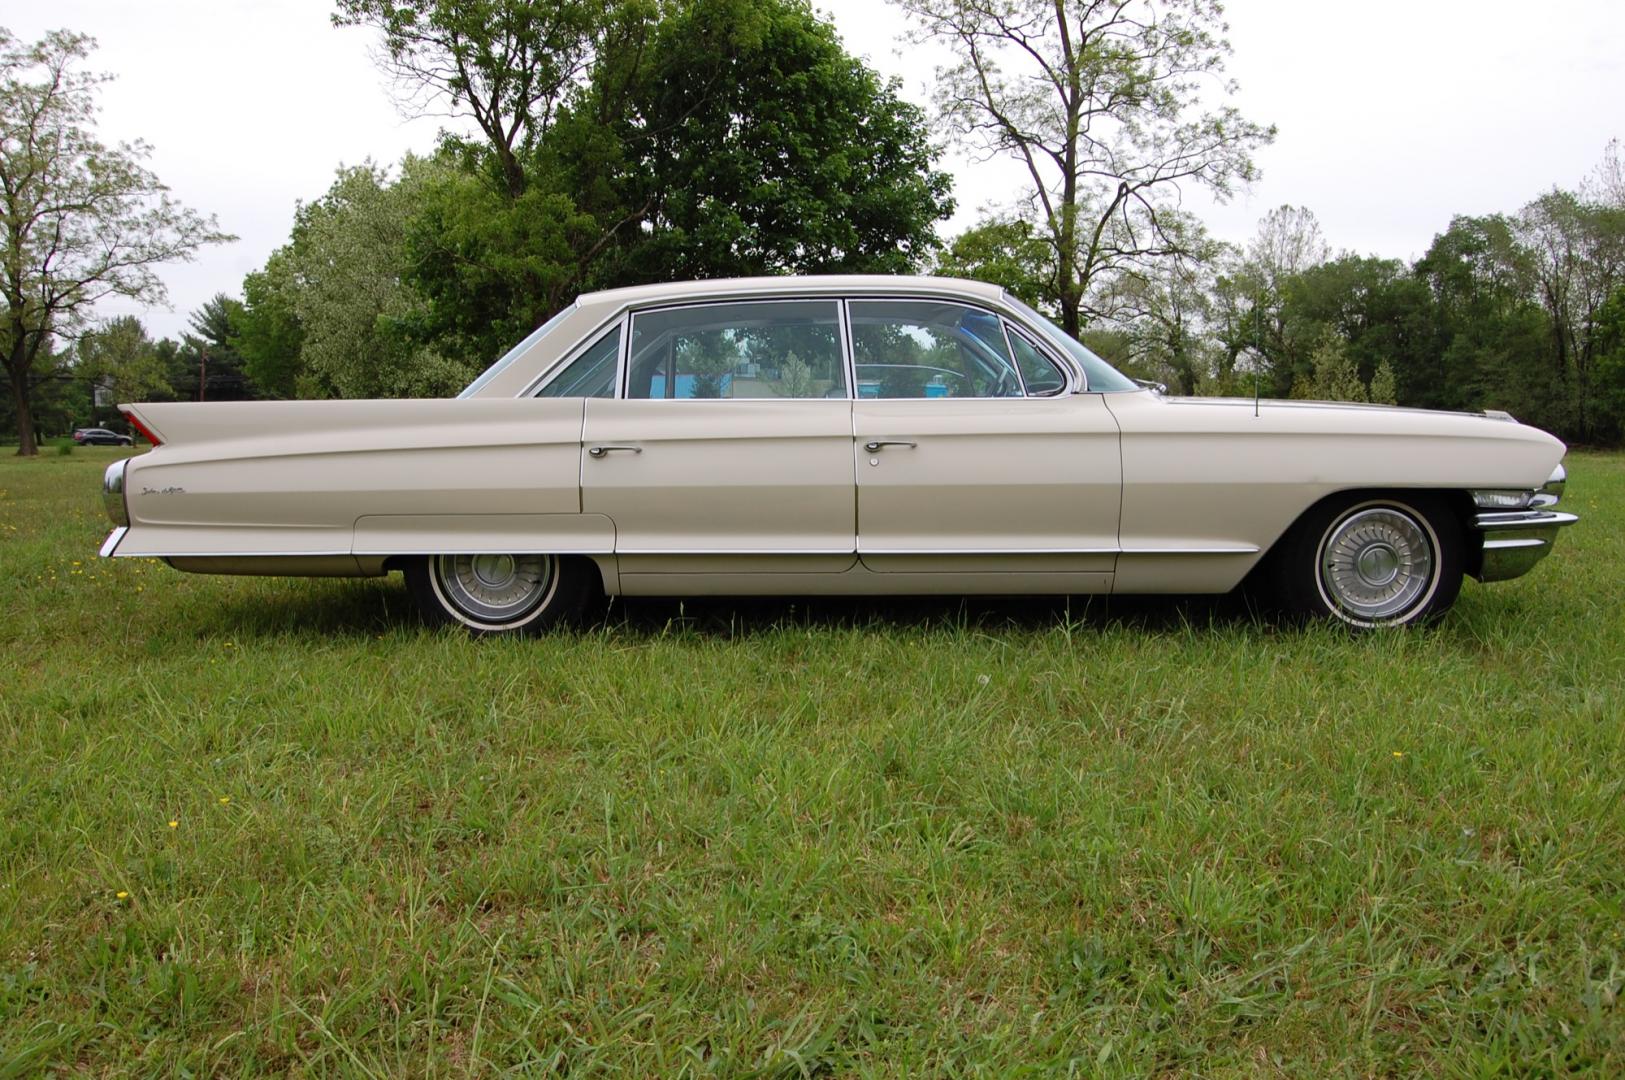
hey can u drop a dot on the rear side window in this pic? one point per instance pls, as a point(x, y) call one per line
point(592, 374)
point(763, 350)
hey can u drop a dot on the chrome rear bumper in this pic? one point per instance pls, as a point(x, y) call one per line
point(1514, 541)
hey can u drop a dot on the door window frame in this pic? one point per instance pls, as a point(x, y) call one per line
point(623, 385)
point(1004, 330)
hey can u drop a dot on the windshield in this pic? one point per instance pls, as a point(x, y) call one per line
point(514, 353)
point(1101, 376)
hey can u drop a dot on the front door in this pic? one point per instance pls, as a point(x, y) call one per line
point(731, 450)
point(962, 462)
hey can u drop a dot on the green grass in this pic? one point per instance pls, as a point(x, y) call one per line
point(852, 838)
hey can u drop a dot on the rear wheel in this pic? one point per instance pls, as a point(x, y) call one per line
point(1370, 560)
point(500, 593)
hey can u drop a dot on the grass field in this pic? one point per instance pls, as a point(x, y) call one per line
point(273, 825)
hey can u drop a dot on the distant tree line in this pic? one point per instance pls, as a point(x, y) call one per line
point(1523, 311)
point(609, 144)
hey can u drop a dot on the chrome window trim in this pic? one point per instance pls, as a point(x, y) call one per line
point(1075, 378)
point(1043, 354)
point(849, 353)
point(632, 311)
point(540, 383)
point(1001, 315)
point(1078, 377)
point(1010, 351)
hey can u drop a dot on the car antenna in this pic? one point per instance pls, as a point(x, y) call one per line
point(1255, 391)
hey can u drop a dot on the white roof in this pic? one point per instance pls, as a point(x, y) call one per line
point(811, 283)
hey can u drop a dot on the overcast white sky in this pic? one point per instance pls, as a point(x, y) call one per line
point(1393, 114)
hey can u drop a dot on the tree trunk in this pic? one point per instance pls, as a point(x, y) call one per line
point(27, 445)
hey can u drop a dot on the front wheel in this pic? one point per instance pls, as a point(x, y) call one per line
point(1371, 560)
point(500, 593)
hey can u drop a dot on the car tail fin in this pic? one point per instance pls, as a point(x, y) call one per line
point(140, 424)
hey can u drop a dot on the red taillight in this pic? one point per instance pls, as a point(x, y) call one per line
point(136, 423)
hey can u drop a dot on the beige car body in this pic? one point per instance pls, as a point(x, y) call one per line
point(1082, 492)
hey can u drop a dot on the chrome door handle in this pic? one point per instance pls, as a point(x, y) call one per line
point(876, 444)
point(600, 451)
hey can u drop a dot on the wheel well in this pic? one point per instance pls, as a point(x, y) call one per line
point(400, 563)
point(1456, 500)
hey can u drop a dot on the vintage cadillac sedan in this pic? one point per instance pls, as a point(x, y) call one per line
point(852, 435)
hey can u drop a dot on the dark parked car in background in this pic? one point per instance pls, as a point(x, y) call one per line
point(100, 436)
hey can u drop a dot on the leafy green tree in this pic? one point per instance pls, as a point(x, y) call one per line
point(1576, 251)
point(206, 365)
point(361, 318)
point(266, 332)
point(1007, 251)
point(1490, 341)
point(1103, 103)
point(79, 221)
point(1333, 376)
point(508, 65)
point(1165, 309)
point(491, 268)
point(760, 146)
point(122, 362)
point(720, 138)
point(1384, 389)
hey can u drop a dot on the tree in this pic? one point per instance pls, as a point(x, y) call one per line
point(723, 138)
point(360, 321)
point(1606, 184)
point(1249, 292)
point(1384, 391)
point(1577, 251)
point(756, 144)
point(79, 221)
point(1101, 101)
point(1334, 377)
point(1007, 251)
point(506, 64)
point(120, 360)
point(1165, 310)
point(207, 365)
point(266, 332)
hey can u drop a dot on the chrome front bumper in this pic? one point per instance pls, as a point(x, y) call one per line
point(1514, 541)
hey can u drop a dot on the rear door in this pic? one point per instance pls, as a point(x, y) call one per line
point(732, 446)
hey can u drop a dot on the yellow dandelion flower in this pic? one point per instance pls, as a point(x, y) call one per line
point(224, 799)
point(1399, 753)
point(122, 895)
point(173, 824)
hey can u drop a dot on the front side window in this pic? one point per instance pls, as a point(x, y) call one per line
point(592, 374)
point(930, 349)
point(763, 350)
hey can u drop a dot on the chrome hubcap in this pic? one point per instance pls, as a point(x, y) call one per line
point(496, 588)
point(1376, 564)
